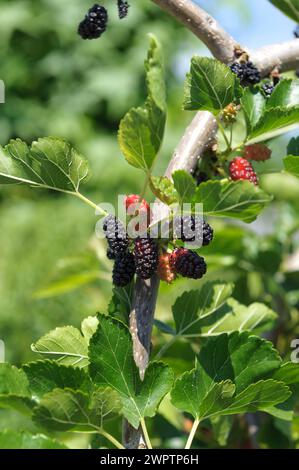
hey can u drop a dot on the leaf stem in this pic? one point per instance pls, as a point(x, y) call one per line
point(145, 185)
point(221, 128)
point(112, 439)
point(165, 347)
point(192, 434)
point(90, 203)
point(145, 434)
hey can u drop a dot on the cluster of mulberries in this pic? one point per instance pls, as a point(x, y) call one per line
point(138, 256)
point(145, 256)
point(131, 256)
point(96, 19)
point(246, 72)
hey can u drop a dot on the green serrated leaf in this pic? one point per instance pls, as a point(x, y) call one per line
point(121, 302)
point(194, 305)
point(14, 390)
point(274, 121)
point(288, 374)
point(285, 95)
point(235, 316)
point(163, 188)
point(64, 410)
point(50, 162)
point(112, 363)
point(237, 199)
point(141, 130)
point(74, 410)
point(26, 440)
point(288, 7)
point(211, 311)
point(253, 104)
point(210, 86)
point(65, 345)
point(89, 327)
point(44, 376)
point(228, 378)
point(185, 185)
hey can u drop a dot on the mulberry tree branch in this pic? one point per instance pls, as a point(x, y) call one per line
point(223, 46)
point(203, 25)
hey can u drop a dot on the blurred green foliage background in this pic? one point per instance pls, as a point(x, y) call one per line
point(57, 84)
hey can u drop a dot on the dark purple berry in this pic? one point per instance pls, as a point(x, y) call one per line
point(94, 23)
point(123, 270)
point(191, 228)
point(116, 236)
point(246, 72)
point(146, 256)
point(187, 263)
point(123, 8)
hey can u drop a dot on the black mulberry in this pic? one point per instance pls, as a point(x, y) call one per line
point(187, 263)
point(116, 235)
point(191, 228)
point(94, 23)
point(246, 72)
point(146, 256)
point(123, 270)
point(123, 8)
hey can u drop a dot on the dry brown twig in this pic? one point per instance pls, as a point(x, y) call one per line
point(197, 136)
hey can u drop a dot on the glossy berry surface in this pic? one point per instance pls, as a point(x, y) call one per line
point(191, 228)
point(94, 23)
point(123, 8)
point(146, 257)
point(189, 264)
point(241, 169)
point(246, 72)
point(116, 236)
point(123, 270)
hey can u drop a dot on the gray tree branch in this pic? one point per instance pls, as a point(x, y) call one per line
point(223, 46)
point(203, 25)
